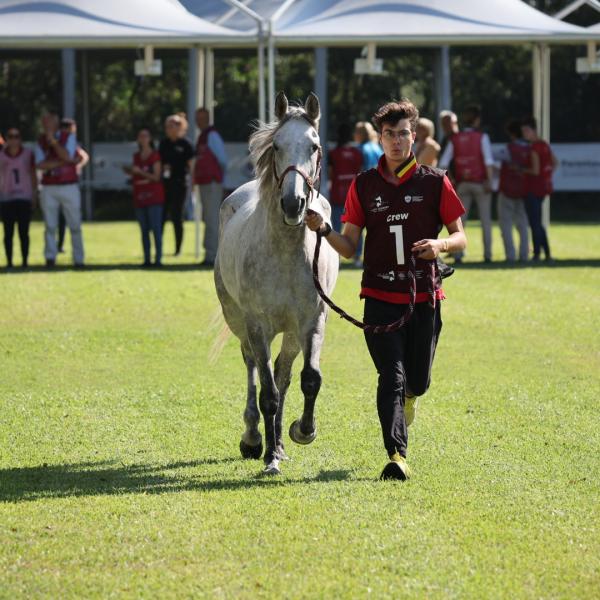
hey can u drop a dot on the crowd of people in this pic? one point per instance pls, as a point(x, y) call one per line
point(162, 176)
point(161, 181)
point(521, 174)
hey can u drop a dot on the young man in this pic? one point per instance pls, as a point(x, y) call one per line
point(471, 153)
point(403, 207)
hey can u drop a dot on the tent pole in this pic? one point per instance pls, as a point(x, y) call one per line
point(261, 78)
point(196, 93)
point(210, 83)
point(87, 138)
point(271, 67)
point(321, 91)
point(545, 125)
point(68, 82)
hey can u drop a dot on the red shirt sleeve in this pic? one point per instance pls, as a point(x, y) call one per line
point(353, 212)
point(450, 205)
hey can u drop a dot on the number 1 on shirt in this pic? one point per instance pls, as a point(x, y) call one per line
point(397, 231)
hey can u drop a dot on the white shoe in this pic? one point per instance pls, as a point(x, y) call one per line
point(410, 409)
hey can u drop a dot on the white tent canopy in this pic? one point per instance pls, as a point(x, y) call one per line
point(107, 23)
point(336, 22)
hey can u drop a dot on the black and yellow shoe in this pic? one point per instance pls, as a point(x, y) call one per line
point(397, 469)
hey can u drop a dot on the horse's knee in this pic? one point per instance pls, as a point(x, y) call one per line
point(310, 381)
point(269, 403)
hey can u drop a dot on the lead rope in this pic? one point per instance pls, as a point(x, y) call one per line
point(401, 322)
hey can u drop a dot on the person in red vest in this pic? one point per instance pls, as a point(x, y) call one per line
point(18, 193)
point(56, 156)
point(403, 206)
point(512, 193)
point(345, 162)
point(148, 195)
point(209, 172)
point(471, 151)
point(539, 185)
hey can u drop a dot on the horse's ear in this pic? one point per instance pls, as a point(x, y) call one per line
point(312, 107)
point(281, 106)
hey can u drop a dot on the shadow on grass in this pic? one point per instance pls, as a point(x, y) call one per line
point(107, 478)
point(103, 267)
point(542, 264)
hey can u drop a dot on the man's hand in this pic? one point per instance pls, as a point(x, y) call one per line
point(313, 220)
point(429, 249)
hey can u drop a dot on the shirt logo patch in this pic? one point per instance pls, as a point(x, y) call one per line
point(378, 205)
point(409, 199)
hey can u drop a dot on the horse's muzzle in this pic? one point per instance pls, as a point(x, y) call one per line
point(293, 210)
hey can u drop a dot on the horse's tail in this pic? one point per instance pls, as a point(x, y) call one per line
point(223, 333)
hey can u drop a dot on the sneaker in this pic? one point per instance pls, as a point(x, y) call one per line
point(50, 262)
point(410, 409)
point(397, 469)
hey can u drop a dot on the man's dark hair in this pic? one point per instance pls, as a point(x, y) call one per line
point(392, 112)
point(471, 114)
point(529, 122)
point(513, 128)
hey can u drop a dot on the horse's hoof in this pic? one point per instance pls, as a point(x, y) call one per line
point(272, 469)
point(249, 451)
point(299, 437)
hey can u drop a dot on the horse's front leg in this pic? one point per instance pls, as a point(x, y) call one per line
point(283, 375)
point(268, 399)
point(251, 442)
point(304, 431)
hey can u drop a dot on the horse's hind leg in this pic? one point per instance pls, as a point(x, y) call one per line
point(283, 375)
point(304, 431)
point(251, 442)
point(269, 395)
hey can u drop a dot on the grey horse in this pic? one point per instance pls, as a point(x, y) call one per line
point(263, 275)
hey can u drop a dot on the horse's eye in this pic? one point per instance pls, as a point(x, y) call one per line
point(315, 147)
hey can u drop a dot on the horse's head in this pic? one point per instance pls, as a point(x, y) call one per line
point(296, 156)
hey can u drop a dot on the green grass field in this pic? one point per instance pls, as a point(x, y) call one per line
point(120, 474)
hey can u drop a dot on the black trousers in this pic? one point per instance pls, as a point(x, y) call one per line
point(16, 212)
point(403, 360)
point(175, 196)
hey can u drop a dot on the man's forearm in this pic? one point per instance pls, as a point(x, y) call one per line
point(341, 244)
point(455, 242)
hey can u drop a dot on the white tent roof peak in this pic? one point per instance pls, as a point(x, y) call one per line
point(93, 23)
point(331, 22)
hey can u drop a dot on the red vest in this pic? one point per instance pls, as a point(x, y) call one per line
point(62, 175)
point(468, 159)
point(540, 185)
point(345, 163)
point(146, 192)
point(395, 218)
point(207, 168)
point(513, 183)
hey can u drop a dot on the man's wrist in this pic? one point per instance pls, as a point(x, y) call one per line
point(325, 229)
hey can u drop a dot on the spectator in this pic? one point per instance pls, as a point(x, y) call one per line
point(511, 207)
point(427, 149)
point(83, 159)
point(55, 155)
point(18, 193)
point(2, 142)
point(209, 172)
point(366, 138)
point(148, 195)
point(449, 126)
point(473, 169)
point(539, 185)
point(176, 155)
point(345, 162)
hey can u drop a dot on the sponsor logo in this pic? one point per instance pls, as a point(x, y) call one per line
point(378, 205)
point(409, 199)
point(397, 217)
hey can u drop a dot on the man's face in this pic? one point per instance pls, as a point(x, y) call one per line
point(202, 119)
point(172, 129)
point(50, 122)
point(528, 133)
point(397, 140)
point(13, 138)
point(448, 124)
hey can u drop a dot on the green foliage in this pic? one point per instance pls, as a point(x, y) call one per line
point(119, 468)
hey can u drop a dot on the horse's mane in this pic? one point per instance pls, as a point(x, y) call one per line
point(261, 147)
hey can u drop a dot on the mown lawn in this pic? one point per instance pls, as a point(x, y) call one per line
point(120, 474)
